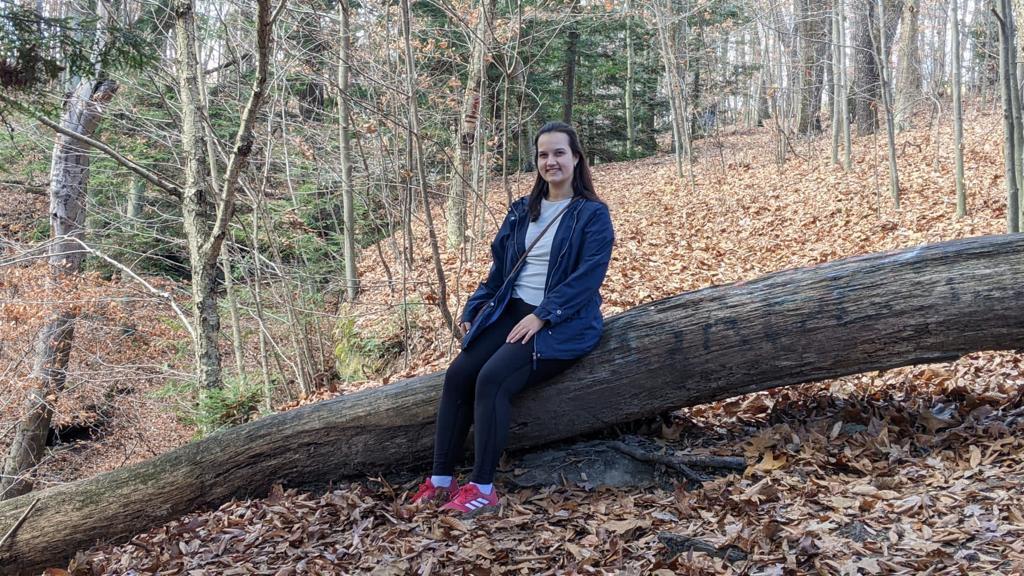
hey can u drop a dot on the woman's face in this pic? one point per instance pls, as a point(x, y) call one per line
point(555, 159)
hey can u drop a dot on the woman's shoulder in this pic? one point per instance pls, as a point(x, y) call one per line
point(588, 206)
point(595, 207)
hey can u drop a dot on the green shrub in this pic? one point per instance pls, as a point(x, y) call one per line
point(237, 402)
point(360, 355)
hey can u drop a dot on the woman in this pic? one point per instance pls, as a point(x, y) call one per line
point(530, 320)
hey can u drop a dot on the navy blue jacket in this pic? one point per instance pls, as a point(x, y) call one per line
point(571, 309)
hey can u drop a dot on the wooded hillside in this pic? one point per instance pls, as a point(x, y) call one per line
point(211, 211)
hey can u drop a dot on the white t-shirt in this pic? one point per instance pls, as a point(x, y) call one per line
point(529, 285)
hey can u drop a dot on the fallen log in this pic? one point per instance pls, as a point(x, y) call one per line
point(928, 304)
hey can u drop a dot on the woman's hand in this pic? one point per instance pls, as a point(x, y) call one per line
point(525, 330)
point(464, 326)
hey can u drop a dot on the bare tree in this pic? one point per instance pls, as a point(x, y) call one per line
point(958, 118)
point(419, 160)
point(812, 24)
point(69, 182)
point(207, 218)
point(469, 120)
point(908, 75)
point(1011, 118)
point(344, 147)
point(881, 43)
point(867, 69)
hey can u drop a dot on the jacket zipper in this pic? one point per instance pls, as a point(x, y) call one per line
point(551, 269)
point(575, 218)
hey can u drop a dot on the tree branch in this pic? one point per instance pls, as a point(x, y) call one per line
point(244, 138)
point(150, 176)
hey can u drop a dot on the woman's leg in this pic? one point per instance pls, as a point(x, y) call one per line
point(505, 374)
point(455, 413)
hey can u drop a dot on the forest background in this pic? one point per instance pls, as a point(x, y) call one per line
point(216, 210)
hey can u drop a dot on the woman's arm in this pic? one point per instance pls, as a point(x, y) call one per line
point(569, 296)
point(495, 277)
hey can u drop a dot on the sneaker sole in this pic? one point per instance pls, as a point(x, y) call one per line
point(483, 511)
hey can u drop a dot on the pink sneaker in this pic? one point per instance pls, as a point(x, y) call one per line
point(470, 501)
point(427, 492)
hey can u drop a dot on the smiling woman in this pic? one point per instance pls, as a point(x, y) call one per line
point(537, 313)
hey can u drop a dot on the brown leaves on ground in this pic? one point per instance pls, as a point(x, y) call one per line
point(908, 471)
point(121, 340)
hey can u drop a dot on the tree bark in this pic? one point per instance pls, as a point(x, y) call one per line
point(958, 118)
point(927, 304)
point(867, 79)
point(206, 219)
point(908, 75)
point(419, 160)
point(630, 124)
point(814, 17)
point(196, 205)
point(665, 28)
point(844, 87)
point(1011, 149)
point(345, 145)
point(569, 73)
point(890, 123)
point(465, 137)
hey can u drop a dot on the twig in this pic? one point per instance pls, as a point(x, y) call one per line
point(702, 461)
point(150, 176)
point(677, 544)
point(671, 462)
point(708, 461)
point(19, 522)
point(29, 187)
point(159, 293)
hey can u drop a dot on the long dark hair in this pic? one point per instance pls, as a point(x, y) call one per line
point(582, 184)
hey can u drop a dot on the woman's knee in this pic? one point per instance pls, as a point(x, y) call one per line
point(491, 386)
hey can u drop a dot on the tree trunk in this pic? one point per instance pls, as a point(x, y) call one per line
point(345, 144)
point(136, 199)
point(1010, 143)
point(206, 219)
point(69, 181)
point(419, 160)
point(890, 123)
point(665, 28)
point(930, 303)
point(569, 73)
point(908, 75)
point(465, 136)
point(958, 118)
point(845, 90)
point(764, 72)
point(812, 27)
point(866, 66)
point(937, 80)
point(837, 86)
point(196, 205)
point(630, 123)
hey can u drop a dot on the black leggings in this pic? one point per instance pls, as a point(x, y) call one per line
point(478, 389)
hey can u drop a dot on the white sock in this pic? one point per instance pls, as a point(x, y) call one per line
point(484, 488)
point(441, 481)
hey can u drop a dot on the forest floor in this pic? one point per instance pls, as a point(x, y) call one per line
point(904, 471)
